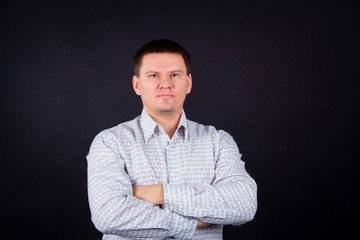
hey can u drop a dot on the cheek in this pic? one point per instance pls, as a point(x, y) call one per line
point(149, 85)
point(147, 90)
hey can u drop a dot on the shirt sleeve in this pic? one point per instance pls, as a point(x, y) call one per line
point(114, 209)
point(230, 199)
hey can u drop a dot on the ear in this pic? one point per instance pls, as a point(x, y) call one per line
point(189, 83)
point(135, 83)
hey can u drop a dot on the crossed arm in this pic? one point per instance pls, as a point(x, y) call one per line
point(119, 209)
point(155, 194)
point(229, 199)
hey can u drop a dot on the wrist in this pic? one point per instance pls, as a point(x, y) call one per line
point(161, 199)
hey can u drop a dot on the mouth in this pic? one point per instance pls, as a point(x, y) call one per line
point(165, 95)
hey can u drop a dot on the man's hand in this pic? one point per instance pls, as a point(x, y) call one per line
point(202, 224)
point(151, 193)
point(155, 194)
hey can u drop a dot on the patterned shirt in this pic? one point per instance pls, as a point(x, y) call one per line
point(201, 171)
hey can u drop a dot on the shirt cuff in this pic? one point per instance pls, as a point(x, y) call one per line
point(178, 198)
point(183, 227)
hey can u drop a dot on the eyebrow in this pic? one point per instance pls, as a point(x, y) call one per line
point(177, 70)
point(151, 72)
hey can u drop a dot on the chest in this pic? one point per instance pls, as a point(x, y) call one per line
point(178, 162)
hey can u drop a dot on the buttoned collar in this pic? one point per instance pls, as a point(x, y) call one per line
point(149, 126)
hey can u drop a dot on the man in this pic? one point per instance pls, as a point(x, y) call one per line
point(160, 175)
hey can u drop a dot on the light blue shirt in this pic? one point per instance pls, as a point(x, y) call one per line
point(201, 171)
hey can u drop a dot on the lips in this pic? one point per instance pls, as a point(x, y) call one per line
point(165, 95)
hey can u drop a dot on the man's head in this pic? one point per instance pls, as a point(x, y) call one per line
point(162, 77)
point(161, 46)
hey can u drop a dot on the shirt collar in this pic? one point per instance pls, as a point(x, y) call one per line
point(148, 125)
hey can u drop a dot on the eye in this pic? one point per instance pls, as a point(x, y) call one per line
point(174, 75)
point(152, 75)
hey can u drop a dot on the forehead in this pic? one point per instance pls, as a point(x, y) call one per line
point(162, 61)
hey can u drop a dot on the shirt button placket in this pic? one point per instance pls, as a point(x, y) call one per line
point(165, 140)
point(170, 161)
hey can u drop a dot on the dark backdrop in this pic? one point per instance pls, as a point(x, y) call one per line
point(279, 76)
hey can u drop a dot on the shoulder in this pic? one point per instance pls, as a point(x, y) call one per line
point(120, 134)
point(199, 130)
point(220, 141)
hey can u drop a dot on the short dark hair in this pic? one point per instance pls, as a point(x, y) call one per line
point(161, 46)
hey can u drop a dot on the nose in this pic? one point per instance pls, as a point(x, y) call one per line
point(165, 82)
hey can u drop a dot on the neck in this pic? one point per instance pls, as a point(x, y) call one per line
point(168, 122)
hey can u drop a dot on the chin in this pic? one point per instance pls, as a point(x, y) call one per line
point(166, 108)
point(166, 111)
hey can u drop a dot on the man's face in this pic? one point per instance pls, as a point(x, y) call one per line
point(162, 83)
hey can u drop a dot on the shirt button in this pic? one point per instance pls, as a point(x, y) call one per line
point(171, 207)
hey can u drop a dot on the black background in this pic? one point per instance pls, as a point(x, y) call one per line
point(279, 76)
